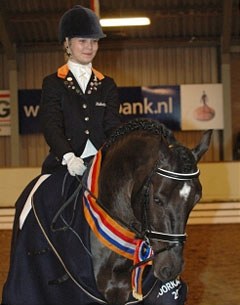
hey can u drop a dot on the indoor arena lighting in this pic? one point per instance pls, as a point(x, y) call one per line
point(136, 21)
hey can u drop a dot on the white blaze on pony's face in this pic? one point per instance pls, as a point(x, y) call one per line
point(185, 191)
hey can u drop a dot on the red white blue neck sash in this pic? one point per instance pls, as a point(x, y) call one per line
point(111, 233)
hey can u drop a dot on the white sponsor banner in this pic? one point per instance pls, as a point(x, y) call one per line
point(5, 129)
point(201, 106)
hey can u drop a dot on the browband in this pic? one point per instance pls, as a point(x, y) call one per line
point(177, 176)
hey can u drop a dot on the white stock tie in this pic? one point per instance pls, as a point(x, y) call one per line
point(82, 73)
point(84, 77)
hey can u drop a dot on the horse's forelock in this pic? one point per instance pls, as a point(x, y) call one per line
point(185, 159)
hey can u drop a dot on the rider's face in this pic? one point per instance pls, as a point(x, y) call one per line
point(82, 50)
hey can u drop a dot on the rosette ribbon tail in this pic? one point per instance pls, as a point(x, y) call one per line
point(143, 252)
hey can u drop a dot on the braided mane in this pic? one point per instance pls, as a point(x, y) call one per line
point(149, 125)
point(184, 156)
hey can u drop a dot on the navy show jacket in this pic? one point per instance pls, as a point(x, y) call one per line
point(70, 117)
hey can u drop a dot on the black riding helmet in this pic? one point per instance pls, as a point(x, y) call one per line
point(80, 22)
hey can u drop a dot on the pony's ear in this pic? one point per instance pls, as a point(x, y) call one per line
point(169, 136)
point(203, 146)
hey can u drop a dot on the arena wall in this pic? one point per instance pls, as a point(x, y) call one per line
point(220, 201)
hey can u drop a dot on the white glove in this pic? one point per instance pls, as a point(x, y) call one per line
point(75, 165)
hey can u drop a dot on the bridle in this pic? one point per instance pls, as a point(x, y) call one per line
point(172, 240)
point(165, 237)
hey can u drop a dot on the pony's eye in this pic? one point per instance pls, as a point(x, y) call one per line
point(157, 200)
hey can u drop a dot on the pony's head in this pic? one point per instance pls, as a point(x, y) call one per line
point(167, 196)
point(153, 184)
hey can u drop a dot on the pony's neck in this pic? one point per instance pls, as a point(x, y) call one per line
point(124, 170)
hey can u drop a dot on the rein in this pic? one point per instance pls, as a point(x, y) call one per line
point(147, 234)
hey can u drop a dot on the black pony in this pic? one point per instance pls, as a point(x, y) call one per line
point(117, 236)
